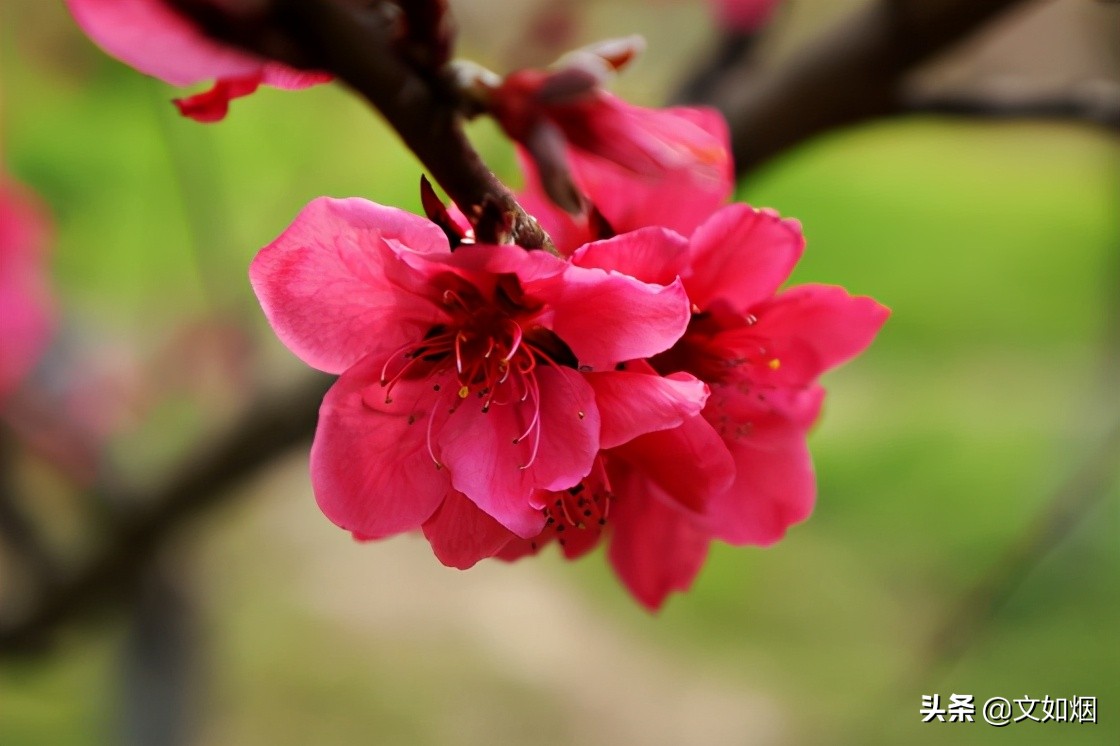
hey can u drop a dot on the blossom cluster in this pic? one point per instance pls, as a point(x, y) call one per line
point(648, 385)
point(650, 388)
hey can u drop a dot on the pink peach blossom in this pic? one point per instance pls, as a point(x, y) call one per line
point(622, 200)
point(26, 309)
point(582, 139)
point(649, 497)
point(155, 39)
point(469, 379)
point(761, 351)
point(577, 517)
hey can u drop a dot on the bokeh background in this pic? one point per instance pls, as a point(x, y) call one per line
point(965, 539)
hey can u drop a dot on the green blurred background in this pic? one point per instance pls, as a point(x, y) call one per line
point(947, 455)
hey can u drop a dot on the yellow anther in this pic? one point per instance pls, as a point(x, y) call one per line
point(775, 364)
point(464, 392)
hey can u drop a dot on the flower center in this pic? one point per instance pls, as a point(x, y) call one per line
point(719, 348)
point(491, 345)
point(579, 513)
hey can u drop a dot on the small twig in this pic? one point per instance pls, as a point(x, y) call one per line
point(1071, 502)
point(1083, 491)
point(968, 617)
point(357, 42)
point(271, 427)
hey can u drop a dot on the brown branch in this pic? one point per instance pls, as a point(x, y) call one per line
point(271, 427)
point(357, 42)
point(851, 73)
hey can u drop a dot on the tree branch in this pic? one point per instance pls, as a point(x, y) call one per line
point(270, 427)
point(356, 41)
point(851, 73)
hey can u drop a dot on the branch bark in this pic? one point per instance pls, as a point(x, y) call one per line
point(270, 427)
point(849, 74)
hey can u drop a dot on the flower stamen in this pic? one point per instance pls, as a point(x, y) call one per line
point(431, 451)
point(535, 424)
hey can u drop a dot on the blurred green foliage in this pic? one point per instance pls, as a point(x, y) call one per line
point(995, 245)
